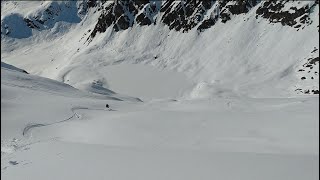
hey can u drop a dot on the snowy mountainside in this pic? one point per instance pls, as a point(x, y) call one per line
point(207, 41)
point(154, 89)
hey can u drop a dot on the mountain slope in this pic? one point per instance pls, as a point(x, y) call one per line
point(264, 39)
point(196, 89)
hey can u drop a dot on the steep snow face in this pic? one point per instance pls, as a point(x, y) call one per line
point(241, 47)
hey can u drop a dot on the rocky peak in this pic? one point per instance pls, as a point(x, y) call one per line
point(182, 16)
point(177, 15)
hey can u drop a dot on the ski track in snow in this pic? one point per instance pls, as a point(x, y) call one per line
point(31, 126)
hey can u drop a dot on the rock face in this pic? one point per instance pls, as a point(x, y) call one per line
point(177, 15)
point(186, 15)
point(120, 15)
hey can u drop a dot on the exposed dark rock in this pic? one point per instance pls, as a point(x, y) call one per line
point(31, 24)
point(118, 10)
point(314, 50)
point(165, 7)
point(185, 15)
point(239, 8)
point(91, 3)
point(235, 8)
point(141, 3)
point(315, 91)
point(297, 26)
point(225, 17)
point(117, 15)
point(142, 19)
point(123, 22)
point(104, 21)
point(314, 60)
point(206, 24)
point(24, 71)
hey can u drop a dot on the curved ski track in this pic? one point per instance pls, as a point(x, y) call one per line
point(30, 126)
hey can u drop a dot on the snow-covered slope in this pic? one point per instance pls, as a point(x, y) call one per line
point(49, 127)
point(197, 89)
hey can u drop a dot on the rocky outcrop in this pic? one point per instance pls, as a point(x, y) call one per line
point(119, 15)
point(308, 73)
point(234, 8)
point(281, 12)
point(184, 15)
point(224, 10)
point(177, 15)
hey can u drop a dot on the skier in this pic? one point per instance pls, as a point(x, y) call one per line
point(107, 106)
